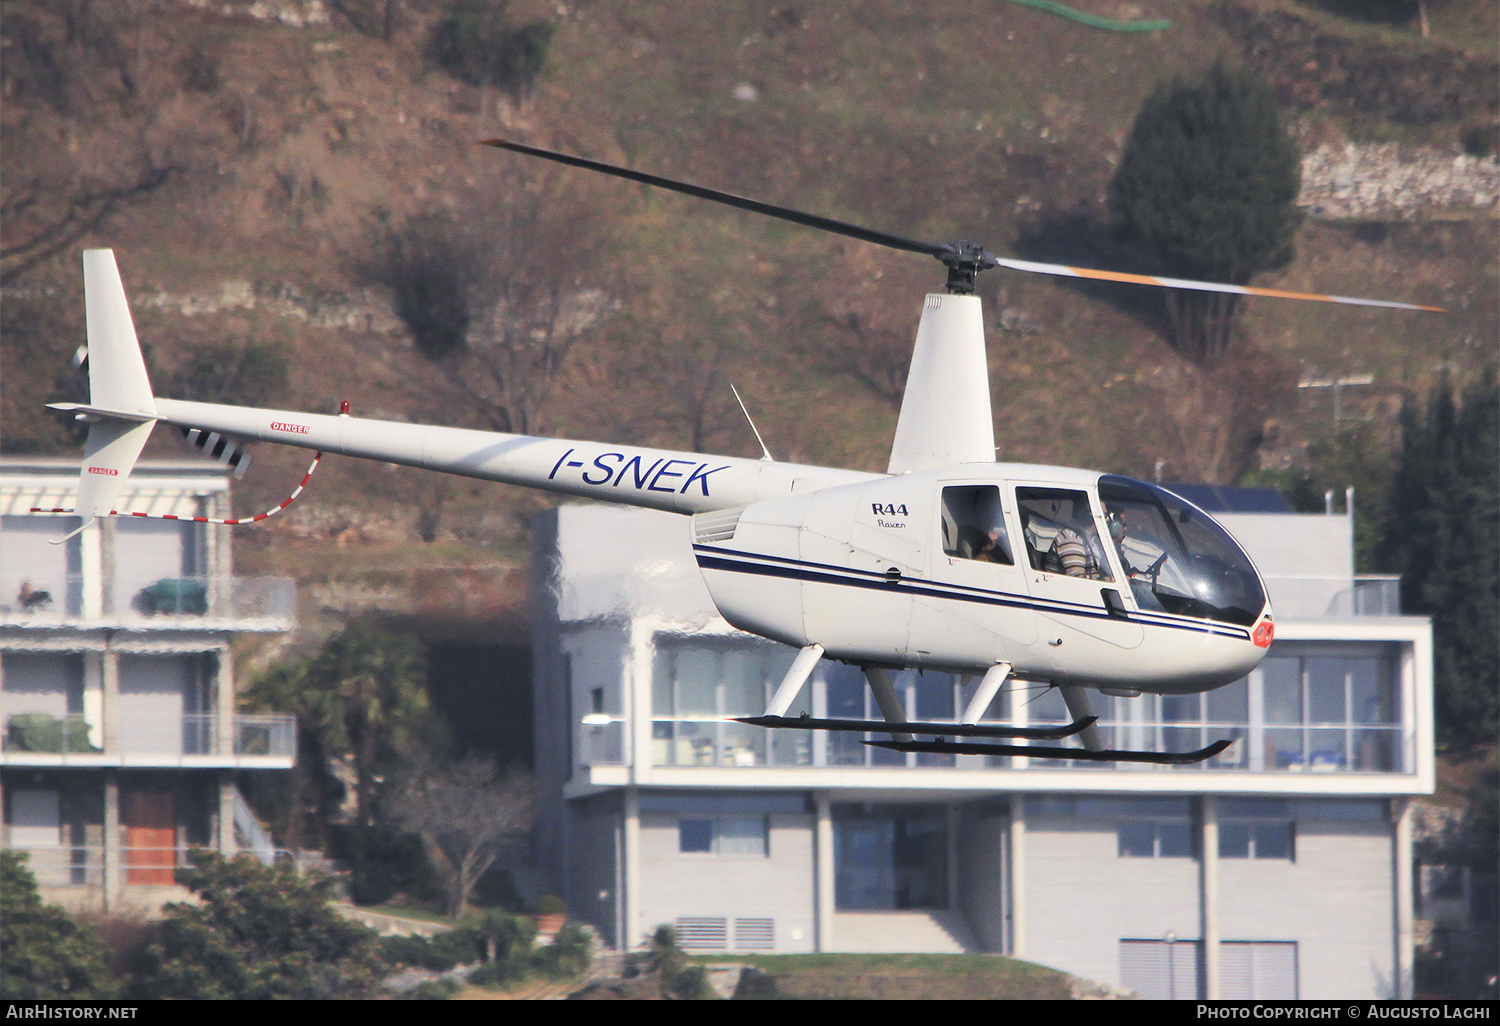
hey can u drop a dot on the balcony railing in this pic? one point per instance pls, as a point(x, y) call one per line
point(1317, 597)
point(82, 865)
point(168, 603)
point(1339, 748)
point(252, 735)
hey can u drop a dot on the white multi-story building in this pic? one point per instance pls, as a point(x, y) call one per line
point(1282, 868)
point(121, 744)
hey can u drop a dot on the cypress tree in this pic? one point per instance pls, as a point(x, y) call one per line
point(1209, 180)
point(1443, 536)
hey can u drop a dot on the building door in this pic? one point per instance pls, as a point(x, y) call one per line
point(150, 837)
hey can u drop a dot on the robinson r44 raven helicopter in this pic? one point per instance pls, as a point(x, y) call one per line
point(947, 561)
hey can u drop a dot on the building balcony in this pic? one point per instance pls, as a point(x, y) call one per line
point(168, 603)
point(83, 865)
point(1323, 597)
point(39, 739)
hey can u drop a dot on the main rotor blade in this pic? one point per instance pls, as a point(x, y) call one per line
point(1063, 270)
point(827, 224)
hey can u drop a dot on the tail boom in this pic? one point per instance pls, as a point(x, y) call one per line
point(679, 482)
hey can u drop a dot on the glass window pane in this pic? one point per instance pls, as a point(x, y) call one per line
point(744, 684)
point(1372, 697)
point(1284, 749)
point(742, 835)
point(1325, 749)
point(1325, 689)
point(1234, 840)
point(661, 682)
point(1281, 686)
point(1272, 840)
point(695, 835)
point(697, 683)
point(1231, 703)
point(934, 696)
point(1047, 707)
point(1180, 709)
point(973, 526)
point(1137, 839)
point(1375, 749)
point(1174, 839)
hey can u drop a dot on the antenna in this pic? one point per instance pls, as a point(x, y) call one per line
point(766, 453)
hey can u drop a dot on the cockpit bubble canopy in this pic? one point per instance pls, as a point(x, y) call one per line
point(1177, 558)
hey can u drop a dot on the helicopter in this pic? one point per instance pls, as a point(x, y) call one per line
point(948, 561)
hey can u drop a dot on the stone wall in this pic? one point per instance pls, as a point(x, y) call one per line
point(1391, 182)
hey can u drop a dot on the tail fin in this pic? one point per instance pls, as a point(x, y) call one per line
point(121, 410)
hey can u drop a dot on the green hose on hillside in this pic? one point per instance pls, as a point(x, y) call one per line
point(1095, 21)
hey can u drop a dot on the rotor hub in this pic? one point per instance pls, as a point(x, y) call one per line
point(964, 260)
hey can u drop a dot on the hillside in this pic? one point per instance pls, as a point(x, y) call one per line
point(244, 158)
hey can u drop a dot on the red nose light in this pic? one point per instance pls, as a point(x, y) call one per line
point(1263, 634)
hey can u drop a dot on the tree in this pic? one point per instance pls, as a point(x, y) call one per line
point(1442, 535)
point(44, 954)
point(258, 933)
point(468, 816)
point(1209, 180)
point(368, 700)
point(360, 701)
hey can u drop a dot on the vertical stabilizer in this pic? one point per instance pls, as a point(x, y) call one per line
point(945, 414)
point(117, 384)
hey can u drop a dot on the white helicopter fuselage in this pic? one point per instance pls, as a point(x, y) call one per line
point(872, 571)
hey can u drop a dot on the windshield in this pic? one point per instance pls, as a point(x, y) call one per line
point(1178, 560)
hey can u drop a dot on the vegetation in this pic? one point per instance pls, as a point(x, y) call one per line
point(1209, 180)
point(44, 953)
point(258, 933)
point(503, 946)
point(238, 372)
point(900, 977)
point(1442, 535)
point(676, 976)
point(477, 43)
point(469, 817)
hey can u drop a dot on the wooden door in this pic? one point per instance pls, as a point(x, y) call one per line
point(150, 837)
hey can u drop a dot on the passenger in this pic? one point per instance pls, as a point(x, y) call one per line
point(1070, 555)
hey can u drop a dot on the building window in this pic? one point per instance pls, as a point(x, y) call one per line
point(745, 836)
point(1155, 828)
point(924, 696)
point(1258, 970)
point(890, 857)
point(1253, 828)
point(1331, 712)
point(1162, 970)
point(695, 686)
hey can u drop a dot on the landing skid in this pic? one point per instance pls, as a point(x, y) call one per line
point(940, 729)
point(1041, 752)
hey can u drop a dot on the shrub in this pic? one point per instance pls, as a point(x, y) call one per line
point(476, 43)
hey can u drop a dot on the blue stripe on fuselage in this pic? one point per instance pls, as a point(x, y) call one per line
point(710, 558)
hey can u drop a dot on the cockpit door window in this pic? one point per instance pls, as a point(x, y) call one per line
point(1057, 525)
